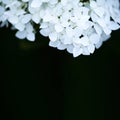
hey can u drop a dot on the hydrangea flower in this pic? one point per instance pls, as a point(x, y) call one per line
point(79, 26)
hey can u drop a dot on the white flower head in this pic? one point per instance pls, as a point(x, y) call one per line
point(79, 26)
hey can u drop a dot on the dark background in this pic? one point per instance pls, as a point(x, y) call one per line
point(42, 83)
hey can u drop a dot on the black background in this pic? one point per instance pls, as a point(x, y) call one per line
point(42, 83)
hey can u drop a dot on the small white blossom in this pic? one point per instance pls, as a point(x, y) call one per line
point(79, 27)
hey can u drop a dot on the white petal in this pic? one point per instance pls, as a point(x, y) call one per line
point(21, 34)
point(53, 1)
point(47, 17)
point(20, 26)
point(64, 2)
point(13, 19)
point(36, 3)
point(53, 36)
point(61, 46)
point(85, 51)
point(54, 44)
point(58, 28)
point(36, 18)
point(6, 1)
point(93, 4)
point(114, 26)
point(45, 32)
point(94, 38)
point(31, 36)
point(107, 30)
point(77, 51)
point(84, 41)
point(99, 11)
point(29, 28)
point(98, 45)
point(101, 2)
point(2, 9)
point(69, 32)
point(91, 48)
point(66, 40)
point(98, 29)
point(70, 48)
point(44, 25)
point(26, 18)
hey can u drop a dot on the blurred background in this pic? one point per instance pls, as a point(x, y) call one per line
point(42, 83)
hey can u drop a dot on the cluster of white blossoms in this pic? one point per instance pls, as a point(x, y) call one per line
point(79, 26)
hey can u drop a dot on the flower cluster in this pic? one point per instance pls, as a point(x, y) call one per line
point(78, 26)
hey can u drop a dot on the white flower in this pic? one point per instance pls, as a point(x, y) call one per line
point(36, 3)
point(28, 33)
point(79, 27)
